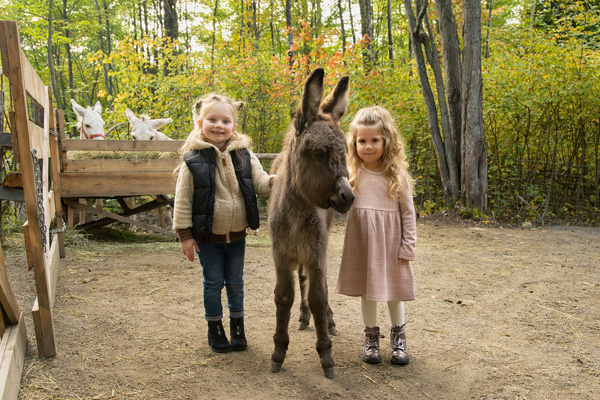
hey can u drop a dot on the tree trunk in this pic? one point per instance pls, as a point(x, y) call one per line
point(451, 54)
point(170, 19)
point(341, 11)
point(104, 65)
point(255, 23)
point(390, 36)
point(55, 90)
point(474, 166)
point(351, 21)
point(214, 38)
point(449, 150)
point(290, 35)
point(438, 143)
point(366, 29)
point(68, 49)
point(489, 28)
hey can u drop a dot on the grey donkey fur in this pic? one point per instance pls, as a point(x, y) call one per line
point(312, 182)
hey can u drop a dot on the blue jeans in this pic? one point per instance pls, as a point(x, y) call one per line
point(223, 265)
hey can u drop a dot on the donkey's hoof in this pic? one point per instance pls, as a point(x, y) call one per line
point(275, 366)
point(302, 325)
point(328, 372)
point(332, 331)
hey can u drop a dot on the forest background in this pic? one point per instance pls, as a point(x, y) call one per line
point(540, 69)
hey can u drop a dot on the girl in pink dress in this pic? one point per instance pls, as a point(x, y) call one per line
point(381, 229)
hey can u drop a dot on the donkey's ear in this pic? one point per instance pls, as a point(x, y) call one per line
point(335, 104)
point(238, 105)
point(77, 109)
point(312, 95)
point(98, 107)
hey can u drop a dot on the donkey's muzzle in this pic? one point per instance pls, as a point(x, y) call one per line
point(344, 197)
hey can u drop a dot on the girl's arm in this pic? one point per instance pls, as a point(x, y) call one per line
point(408, 249)
point(182, 207)
point(261, 180)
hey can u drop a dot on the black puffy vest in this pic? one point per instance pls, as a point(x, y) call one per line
point(202, 165)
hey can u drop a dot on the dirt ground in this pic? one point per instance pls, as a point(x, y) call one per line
point(500, 314)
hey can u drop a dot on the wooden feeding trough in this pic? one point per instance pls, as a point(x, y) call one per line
point(119, 169)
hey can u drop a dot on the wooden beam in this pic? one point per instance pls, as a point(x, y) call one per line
point(12, 357)
point(28, 254)
point(13, 180)
point(55, 158)
point(120, 218)
point(112, 184)
point(159, 202)
point(104, 165)
point(12, 194)
point(5, 140)
point(8, 300)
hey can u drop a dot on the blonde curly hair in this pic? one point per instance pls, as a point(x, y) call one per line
point(393, 161)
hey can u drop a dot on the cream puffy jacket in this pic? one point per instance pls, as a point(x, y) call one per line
point(230, 211)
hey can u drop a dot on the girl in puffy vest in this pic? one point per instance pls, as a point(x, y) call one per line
point(215, 201)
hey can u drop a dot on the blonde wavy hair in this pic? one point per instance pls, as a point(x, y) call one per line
point(393, 164)
point(199, 110)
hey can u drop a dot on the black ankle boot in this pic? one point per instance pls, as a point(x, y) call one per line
point(216, 337)
point(238, 336)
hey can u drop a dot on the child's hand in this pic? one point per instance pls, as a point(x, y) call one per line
point(189, 246)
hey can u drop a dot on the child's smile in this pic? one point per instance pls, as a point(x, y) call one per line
point(218, 125)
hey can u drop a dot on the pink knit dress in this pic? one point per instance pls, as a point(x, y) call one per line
point(380, 232)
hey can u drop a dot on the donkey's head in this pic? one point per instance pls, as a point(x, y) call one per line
point(144, 128)
point(89, 121)
point(318, 148)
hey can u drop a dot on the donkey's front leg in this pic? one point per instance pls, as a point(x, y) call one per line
point(284, 298)
point(318, 303)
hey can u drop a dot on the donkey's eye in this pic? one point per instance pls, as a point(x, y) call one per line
point(318, 153)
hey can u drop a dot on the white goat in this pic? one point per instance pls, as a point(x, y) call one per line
point(89, 121)
point(144, 128)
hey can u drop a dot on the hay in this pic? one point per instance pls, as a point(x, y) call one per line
point(128, 155)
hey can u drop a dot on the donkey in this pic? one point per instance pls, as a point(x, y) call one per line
point(144, 128)
point(89, 121)
point(312, 182)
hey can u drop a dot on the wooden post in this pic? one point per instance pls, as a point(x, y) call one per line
point(20, 72)
point(59, 125)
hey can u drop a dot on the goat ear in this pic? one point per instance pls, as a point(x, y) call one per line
point(238, 105)
point(131, 116)
point(98, 107)
point(160, 122)
point(312, 95)
point(335, 104)
point(77, 109)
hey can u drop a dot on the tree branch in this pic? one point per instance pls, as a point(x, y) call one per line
point(420, 16)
